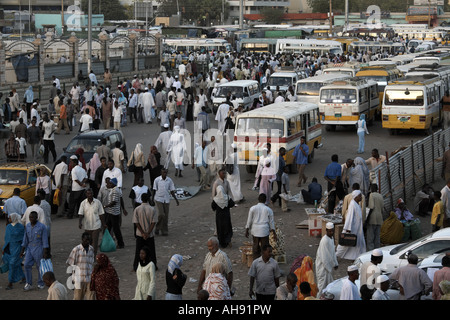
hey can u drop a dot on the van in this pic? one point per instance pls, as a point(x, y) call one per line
point(283, 79)
point(244, 90)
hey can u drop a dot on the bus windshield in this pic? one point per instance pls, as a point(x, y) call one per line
point(308, 88)
point(338, 71)
point(404, 98)
point(280, 81)
point(338, 96)
point(261, 126)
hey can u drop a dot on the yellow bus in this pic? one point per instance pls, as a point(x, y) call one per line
point(382, 74)
point(342, 102)
point(281, 125)
point(412, 103)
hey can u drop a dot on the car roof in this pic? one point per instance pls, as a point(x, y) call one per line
point(20, 165)
point(238, 83)
point(445, 232)
point(96, 133)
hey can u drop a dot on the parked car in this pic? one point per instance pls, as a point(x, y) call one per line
point(429, 265)
point(22, 175)
point(244, 90)
point(395, 256)
point(91, 140)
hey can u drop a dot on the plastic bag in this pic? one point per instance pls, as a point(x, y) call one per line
point(56, 198)
point(415, 229)
point(108, 244)
point(45, 266)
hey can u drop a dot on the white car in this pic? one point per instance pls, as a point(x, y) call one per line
point(395, 256)
point(429, 265)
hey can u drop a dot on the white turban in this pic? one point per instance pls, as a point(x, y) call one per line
point(329, 225)
point(355, 193)
point(382, 278)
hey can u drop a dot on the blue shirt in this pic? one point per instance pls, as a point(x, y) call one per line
point(281, 166)
point(300, 158)
point(315, 190)
point(333, 171)
point(35, 236)
point(15, 204)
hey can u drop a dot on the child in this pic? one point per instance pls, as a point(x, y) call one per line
point(437, 215)
point(285, 188)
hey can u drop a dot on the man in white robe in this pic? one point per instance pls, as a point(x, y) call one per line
point(370, 270)
point(235, 178)
point(326, 259)
point(176, 149)
point(147, 103)
point(162, 143)
point(382, 283)
point(221, 115)
point(353, 224)
point(349, 289)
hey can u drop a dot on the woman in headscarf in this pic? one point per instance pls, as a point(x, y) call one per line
point(104, 279)
point(306, 273)
point(44, 182)
point(137, 158)
point(216, 283)
point(268, 175)
point(175, 278)
point(146, 280)
point(362, 130)
point(92, 167)
point(154, 164)
point(360, 174)
point(14, 233)
point(354, 225)
point(221, 205)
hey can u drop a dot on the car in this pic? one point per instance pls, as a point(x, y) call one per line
point(429, 265)
point(91, 140)
point(395, 256)
point(283, 80)
point(244, 90)
point(22, 175)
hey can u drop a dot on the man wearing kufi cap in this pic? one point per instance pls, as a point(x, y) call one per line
point(382, 285)
point(349, 289)
point(370, 270)
point(326, 259)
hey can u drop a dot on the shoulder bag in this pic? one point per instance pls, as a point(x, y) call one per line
point(348, 239)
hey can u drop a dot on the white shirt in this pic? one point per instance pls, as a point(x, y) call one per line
point(58, 83)
point(139, 191)
point(117, 113)
point(41, 215)
point(60, 169)
point(85, 121)
point(349, 291)
point(380, 295)
point(49, 127)
point(35, 113)
point(162, 189)
point(279, 99)
point(78, 173)
point(260, 220)
point(22, 144)
point(114, 173)
point(91, 213)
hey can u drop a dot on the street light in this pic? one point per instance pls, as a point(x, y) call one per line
point(89, 60)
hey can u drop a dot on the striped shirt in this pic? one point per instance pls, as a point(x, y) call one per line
point(84, 260)
point(113, 195)
point(218, 257)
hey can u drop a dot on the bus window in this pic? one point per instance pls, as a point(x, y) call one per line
point(373, 92)
point(294, 125)
point(363, 96)
point(312, 118)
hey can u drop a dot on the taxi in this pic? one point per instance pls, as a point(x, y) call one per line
point(22, 175)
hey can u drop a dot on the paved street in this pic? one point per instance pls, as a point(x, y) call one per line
point(192, 223)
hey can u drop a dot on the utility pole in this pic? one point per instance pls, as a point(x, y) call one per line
point(62, 17)
point(331, 19)
point(241, 14)
point(346, 15)
point(89, 58)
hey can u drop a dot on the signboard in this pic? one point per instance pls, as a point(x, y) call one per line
point(429, 2)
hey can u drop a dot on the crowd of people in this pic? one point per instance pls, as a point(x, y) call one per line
point(169, 99)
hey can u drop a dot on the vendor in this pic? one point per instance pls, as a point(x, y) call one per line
point(402, 212)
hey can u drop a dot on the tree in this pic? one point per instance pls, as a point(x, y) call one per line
point(111, 9)
point(272, 15)
point(194, 10)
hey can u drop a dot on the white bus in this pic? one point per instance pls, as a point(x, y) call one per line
point(443, 72)
point(412, 103)
point(431, 57)
point(308, 89)
point(342, 102)
point(350, 68)
point(378, 46)
point(203, 45)
point(281, 125)
point(309, 46)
